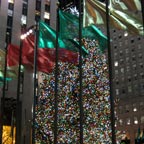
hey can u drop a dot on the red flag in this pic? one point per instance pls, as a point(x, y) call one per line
point(45, 56)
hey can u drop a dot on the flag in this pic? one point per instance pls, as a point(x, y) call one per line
point(11, 71)
point(131, 5)
point(69, 27)
point(138, 137)
point(95, 13)
point(45, 54)
point(92, 32)
point(47, 39)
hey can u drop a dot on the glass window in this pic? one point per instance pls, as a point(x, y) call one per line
point(23, 20)
point(24, 9)
point(129, 89)
point(121, 122)
point(47, 7)
point(127, 59)
point(135, 76)
point(135, 120)
point(128, 121)
point(46, 15)
point(122, 70)
point(8, 35)
point(127, 108)
point(142, 119)
point(11, 1)
point(10, 6)
point(38, 5)
point(9, 21)
point(126, 50)
point(116, 72)
point(116, 63)
point(141, 106)
point(134, 107)
point(117, 91)
point(10, 13)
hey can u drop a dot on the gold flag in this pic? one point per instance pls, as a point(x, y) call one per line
point(95, 13)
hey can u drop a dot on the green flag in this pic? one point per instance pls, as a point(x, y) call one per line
point(92, 32)
point(47, 39)
point(138, 138)
point(69, 27)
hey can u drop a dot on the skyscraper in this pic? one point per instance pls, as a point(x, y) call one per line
point(127, 69)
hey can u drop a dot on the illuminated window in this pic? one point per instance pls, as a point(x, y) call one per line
point(117, 91)
point(134, 107)
point(23, 20)
point(116, 63)
point(46, 15)
point(128, 121)
point(129, 89)
point(121, 122)
point(142, 119)
point(11, 1)
point(135, 120)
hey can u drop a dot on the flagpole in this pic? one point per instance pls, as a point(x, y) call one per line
point(110, 76)
point(80, 76)
point(142, 10)
point(35, 79)
point(18, 109)
point(3, 94)
point(56, 80)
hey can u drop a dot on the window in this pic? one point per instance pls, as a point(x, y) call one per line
point(128, 121)
point(23, 20)
point(38, 5)
point(9, 21)
point(121, 61)
point(126, 50)
point(120, 44)
point(116, 63)
point(127, 108)
point(141, 106)
point(132, 40)
point(47, 21)
point(135, 76)
point(11, 6)
point(121, 122)
point(121, 53)
point(141, 65)
point(8, 35)
point(135, 120)
point(128, 68)
point(142, 119)
point(117, 91)
point(47, 7)
point(134, 107)
point(139, 46)
point(123, 91)
point(122, 70)
point(116, 72)
point(133, 58)
point(24, 9)
point(140, 55)
point(129, 89)
point(127, 59)
point(134, 67)
point(129, 79)
point(11, 1)
point(142, 75)
point(46, 15)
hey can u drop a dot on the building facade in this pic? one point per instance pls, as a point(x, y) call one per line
point(16, 15)
point(127, 57)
